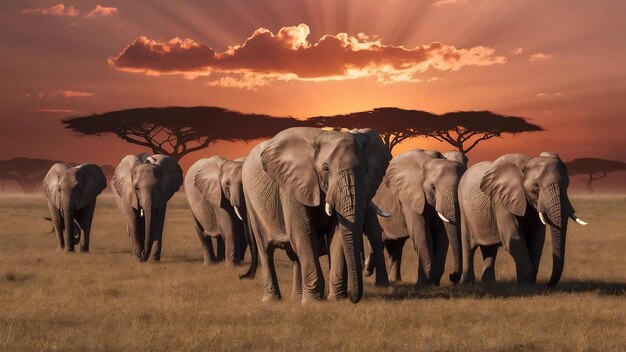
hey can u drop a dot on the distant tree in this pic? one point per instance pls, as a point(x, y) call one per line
point(394, 125)
point(593, 169)
point(465, 129)
point(178, 131)
point(27, 172)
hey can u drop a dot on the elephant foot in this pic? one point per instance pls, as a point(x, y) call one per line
point(308, 300)
point(367, 272)
point(60, 249)
point(337, 295)
point(381, 283)
point(271, 297)
point(84, 249)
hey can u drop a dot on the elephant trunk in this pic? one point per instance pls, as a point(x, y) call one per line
point(558, 211)
point(145, 254)
point(68, 233)
point(351, 210)
point(448, 206)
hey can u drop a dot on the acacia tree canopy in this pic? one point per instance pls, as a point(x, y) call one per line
point(462, 129)
point(393, 124)
point(593, 169)
point(178, 131)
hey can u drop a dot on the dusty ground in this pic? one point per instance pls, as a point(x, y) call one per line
point(107, 301)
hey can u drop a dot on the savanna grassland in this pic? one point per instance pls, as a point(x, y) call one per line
point(108, 301)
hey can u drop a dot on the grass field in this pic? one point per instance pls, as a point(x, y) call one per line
point(108, 301)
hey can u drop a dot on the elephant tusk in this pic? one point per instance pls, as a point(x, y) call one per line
point(543, 220)
point(578, 220)
point(141, 212)
point(379, 211)
point(328, 209)
point(443, 217)
point(238, 213)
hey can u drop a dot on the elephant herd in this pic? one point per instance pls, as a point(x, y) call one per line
point(312, 192)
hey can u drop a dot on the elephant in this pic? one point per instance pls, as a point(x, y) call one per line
point(142, 185)
point(215, 194)
point(303, 187)
point(509, 202)
point(71, 191)
point(420, 190)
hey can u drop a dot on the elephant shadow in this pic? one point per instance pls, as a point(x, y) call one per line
point(406, 291)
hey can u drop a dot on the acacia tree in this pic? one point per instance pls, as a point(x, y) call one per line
point(393, 124)
point(593, 169)
point(464, 130)
point(178, 131)
point(27, 172)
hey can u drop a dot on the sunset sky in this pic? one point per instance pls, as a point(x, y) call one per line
point(560, 63)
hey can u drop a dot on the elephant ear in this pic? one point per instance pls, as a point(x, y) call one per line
point(503, 183)
point(93, 182)
point(377, 155)
point(50, 184)
point(207, 180)
point(122, 180)
point(405, 178)
point(288, 159)
point(171, 175)
point(456, 156)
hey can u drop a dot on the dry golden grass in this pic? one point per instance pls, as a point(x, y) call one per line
point(107, 301)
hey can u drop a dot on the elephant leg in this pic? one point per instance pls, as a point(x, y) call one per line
point(440, 251)
point(207, 244)
point(469, 248)
point(535, 241)
point(85, 221)
point(296, 293)
point(338, 275)
point(221, 249)
point(57, 223)
point(135, 227)
point(421, 238)
point(489, 263)
point(375, 236)
point(514, 242)
point(394, 250)
point(272, 290)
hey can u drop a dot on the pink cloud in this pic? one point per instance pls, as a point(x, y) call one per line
point(65, 93)
point(288, 55)
point(56, 111)
point(539, 57)
point(517, 51)
point(102, 11)
point(56, 10)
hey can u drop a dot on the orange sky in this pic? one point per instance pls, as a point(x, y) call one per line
point(561, 63)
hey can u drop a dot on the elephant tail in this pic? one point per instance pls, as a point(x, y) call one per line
point(254, 254)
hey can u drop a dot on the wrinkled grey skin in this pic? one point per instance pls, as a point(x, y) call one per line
point(418, 184)
point(142, 185)
point(71, 192)
point(214, 189)
point(500, 202)
point(287, 182)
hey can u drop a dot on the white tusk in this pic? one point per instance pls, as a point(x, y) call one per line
point(238, 213)
point(379, 211)
point(141, 212)
point(328, 209)
point(543, 220)
point(578, 220)
point(443, 217)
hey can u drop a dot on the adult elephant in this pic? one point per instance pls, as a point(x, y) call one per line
point(71, 191)
point(508, 203)
point(215, 194)
point(302, 184)
point(420, 190)
point(142, 185)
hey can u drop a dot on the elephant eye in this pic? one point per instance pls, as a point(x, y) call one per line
point(227, 183)
point(536, 187)
point(59, 189)
point(325, 168)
